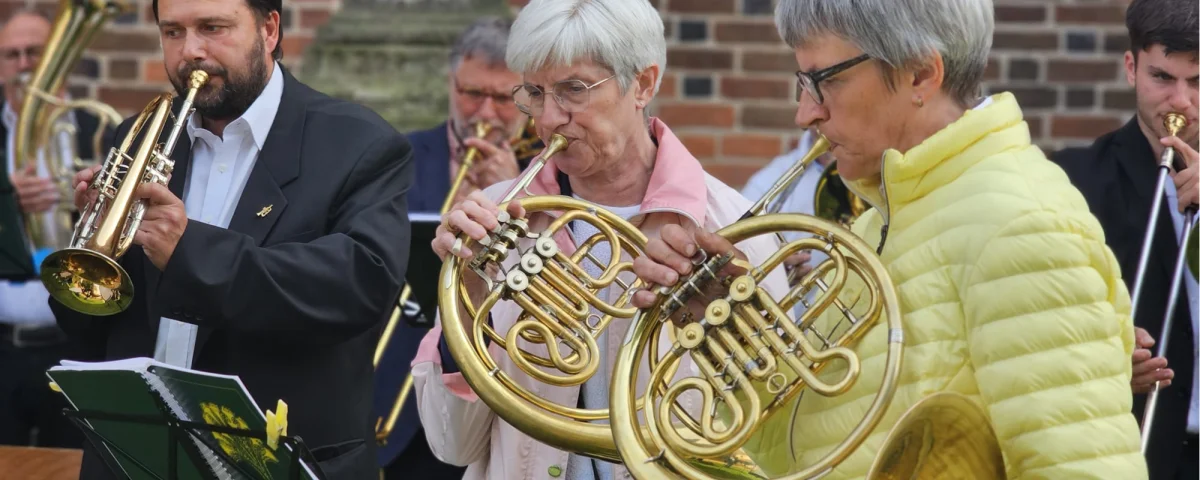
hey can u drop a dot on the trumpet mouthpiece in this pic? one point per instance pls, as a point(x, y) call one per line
point(198, 79)
point(557, 144)
point(1174, 122)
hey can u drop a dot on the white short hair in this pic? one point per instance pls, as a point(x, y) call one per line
point(900, 33)
point(626, 36)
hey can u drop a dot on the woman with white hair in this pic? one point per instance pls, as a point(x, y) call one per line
point(589, 69)
point(1007, 291)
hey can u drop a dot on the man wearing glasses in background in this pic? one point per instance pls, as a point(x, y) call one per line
point(480, 91)
point(30, 341)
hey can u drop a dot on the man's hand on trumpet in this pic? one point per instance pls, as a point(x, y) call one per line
point(495, 164)
point(82, 180)
point(162, 223)
point(1147, 368)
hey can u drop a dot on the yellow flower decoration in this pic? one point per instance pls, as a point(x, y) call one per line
point(241, 449)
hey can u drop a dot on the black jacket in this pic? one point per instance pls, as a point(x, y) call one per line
point(1117, 175)
point(293, 301)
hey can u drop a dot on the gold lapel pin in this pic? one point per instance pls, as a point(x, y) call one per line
point(265, 210)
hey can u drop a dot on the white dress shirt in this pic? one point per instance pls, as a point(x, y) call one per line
point(27, 303)
point(1172, 204)
point(219, 169)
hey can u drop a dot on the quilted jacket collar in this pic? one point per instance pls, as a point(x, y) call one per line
point(945, 155)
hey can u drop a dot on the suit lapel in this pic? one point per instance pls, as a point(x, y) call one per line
point(278, 163)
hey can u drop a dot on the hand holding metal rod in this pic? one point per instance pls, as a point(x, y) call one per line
point(1174, 122)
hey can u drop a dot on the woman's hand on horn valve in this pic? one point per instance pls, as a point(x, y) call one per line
point(474, 217)
point(669, 258)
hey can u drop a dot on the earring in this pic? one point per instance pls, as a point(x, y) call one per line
point(920, 102)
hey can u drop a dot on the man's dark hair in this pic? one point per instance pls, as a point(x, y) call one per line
point(261, 9)
point(1170, 23)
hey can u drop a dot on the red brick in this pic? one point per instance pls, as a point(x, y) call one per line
point(668, 88)
point(153, 71)
point(1025, 40)
point(751, 145)
point(743, 87)
point(1060, 70)
point(783, 117)
point(294, 45)
point(733, 174)
point(748, 32)
point(697, 114)
point(783, 61)
point(128, 99)
point(992, 71)
point(699, 59)
point(1020, 13)
point(1090, 14)
point(1036, 126)
point(701, 6)
point(314, 17)
point(125, 41)
point(119, 69)
point(1082, 126)
point(700, 146)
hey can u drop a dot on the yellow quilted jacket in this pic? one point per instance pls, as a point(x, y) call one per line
point(1008, 294)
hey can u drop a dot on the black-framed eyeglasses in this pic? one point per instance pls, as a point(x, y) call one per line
point(572, 95)
point(478, 96)
point(33, 52)
point(811, 82)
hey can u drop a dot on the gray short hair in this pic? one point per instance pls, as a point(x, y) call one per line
point(486, 38)
point(899, 33)
point(625, 36)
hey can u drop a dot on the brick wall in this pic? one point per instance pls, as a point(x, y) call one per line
point(729, 82)
point(123, 66)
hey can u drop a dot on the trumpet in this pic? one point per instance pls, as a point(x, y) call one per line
point(1174, 122)
point(86, 277)
point(42, 121)
point(753, 362)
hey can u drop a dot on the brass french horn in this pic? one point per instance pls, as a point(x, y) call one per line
point(86, 277)
point(554, 338)
point(42, 113)
point(753, 361)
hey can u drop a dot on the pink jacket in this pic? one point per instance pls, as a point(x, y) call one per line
point(462, 430)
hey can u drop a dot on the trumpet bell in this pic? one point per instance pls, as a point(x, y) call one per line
point(944, 436)
point(87, 282)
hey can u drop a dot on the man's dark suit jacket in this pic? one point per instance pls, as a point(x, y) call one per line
point(15, 258)
point(292, 302)
point(1117, 175)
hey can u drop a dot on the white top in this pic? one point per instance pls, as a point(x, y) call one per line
point(217, 174)
point(27, 303)
point(1172, 204)
point(595, 390)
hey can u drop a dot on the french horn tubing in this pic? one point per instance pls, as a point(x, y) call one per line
point(553, 340)
point(754, 362)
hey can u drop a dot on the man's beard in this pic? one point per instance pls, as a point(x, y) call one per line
point(236, 93)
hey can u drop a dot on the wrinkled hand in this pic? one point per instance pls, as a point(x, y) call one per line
point(35, 194)
point(797, 264)
point(494, 164)
point(162, 225)
point(474, 218)
point(82, 180)
point(1147, 370)
point(668, 258)
point(1187, 185)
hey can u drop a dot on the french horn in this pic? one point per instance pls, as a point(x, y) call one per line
point(554, 338)
point(753, 362)
point(86, 277)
